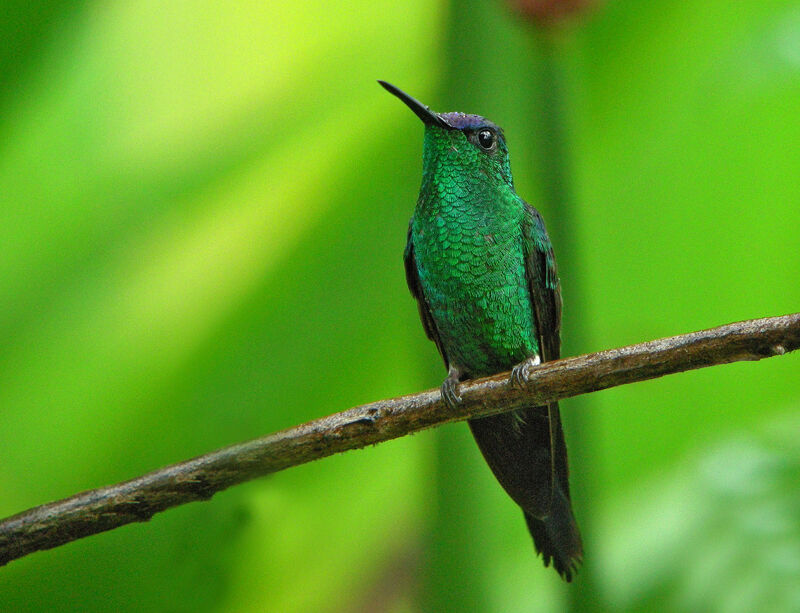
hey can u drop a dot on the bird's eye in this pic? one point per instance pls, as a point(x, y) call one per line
point(486, 139)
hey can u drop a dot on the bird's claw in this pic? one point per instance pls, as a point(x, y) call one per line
point(522, 371)
point(450, 393)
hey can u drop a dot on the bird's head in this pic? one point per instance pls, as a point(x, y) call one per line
point(460, 142)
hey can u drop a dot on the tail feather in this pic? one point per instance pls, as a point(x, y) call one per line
point(527, 454)
point(556, 537)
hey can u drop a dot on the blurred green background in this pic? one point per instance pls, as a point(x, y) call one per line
point(203, 208)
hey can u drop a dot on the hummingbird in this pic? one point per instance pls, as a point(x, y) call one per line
point(479, 262)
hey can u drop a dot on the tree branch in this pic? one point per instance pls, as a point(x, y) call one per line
point(106, 508)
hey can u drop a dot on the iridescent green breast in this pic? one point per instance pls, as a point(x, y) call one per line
point(471, 264)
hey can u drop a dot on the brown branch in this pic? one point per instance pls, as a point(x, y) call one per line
point(106, 508)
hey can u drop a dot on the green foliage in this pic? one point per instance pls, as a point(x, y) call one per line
point(202, 216)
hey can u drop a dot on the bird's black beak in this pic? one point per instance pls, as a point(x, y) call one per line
point(428, 117)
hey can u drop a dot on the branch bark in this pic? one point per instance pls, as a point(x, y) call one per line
point(106, 508)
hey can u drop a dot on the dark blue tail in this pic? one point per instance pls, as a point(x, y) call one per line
point(526, 451)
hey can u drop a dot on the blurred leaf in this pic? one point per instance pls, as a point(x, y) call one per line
point(728, 519)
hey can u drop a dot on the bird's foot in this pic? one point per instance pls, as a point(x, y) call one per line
point(522, 371)
point(450, 393)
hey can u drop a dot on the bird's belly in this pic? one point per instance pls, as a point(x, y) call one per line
point(481, 305)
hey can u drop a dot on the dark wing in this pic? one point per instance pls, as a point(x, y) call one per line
point(412, 278)
point(555, 534)
point(543, 283)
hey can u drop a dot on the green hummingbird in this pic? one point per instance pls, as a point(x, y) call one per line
point(479, 262)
